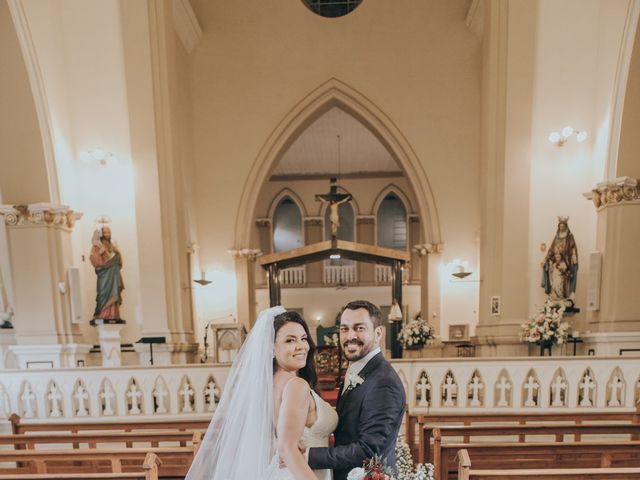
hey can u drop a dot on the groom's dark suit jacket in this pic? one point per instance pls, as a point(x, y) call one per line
point(370, 417)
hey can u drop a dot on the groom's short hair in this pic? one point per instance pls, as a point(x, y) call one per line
point(374, 311)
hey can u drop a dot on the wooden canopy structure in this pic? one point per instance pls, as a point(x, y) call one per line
point(359, 252)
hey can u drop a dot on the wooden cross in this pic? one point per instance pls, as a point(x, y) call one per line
point(334, 199)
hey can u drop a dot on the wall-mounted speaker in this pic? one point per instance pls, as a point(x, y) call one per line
point(75, 298)
point(595, 274)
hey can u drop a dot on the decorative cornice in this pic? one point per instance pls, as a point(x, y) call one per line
point(186, 24)
point(428, 248)
point(313, 220)
point(39, 214)
point(263, 222)
point(246, 253)
point(622, 189)
point(365, 219)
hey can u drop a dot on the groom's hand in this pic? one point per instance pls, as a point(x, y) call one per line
point(303, 451)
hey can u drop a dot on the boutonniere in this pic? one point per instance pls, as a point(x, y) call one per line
point(354, 381)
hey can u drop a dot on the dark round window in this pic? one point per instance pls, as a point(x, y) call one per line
point(332, 8)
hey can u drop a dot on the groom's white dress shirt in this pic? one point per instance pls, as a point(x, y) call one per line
point(356, 367)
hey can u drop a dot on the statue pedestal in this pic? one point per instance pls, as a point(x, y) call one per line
point(109, 338)
point(35, 356)
point(611, 344)
point(7, 338)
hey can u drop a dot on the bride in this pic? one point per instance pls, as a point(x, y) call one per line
point(268, 408)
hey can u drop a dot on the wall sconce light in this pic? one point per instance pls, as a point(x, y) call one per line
point(202, 280)
point(97, 155)
point(334, 256)
point(560, 138)
point(459, 271)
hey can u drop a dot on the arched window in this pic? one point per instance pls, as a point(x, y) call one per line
point(392, 223)
point(345, 231)
point(287, 226)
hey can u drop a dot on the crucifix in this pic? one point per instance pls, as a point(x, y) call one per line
point(334, 199)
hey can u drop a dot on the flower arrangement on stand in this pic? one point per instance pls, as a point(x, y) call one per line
point(547, 326)
point(415, 334)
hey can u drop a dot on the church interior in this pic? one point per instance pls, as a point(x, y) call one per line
point(171, 168)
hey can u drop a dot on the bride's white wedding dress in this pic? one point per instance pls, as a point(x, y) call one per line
point(317, 435)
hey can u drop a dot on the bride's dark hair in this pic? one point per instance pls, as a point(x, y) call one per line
point(308, 372)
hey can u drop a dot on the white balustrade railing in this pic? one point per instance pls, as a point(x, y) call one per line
point(532, 384)
point(293, 276)
point(383, 274)
point(334, 274)
point(521, 384)
point(112, 393)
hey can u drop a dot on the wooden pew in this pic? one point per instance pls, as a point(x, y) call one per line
point(17, 426)
point(465, 472)
point(415, 422)
point(149, 472)
point(175, 461)
point(432, 435)
point(93, 439)
point(538, 456)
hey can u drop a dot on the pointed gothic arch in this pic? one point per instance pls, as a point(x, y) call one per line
point(335, 93)
point(281, 195)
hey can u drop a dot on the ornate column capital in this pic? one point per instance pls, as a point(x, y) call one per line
point(46, 214)
point(428, 248)
point(365, 219)
point(313, 221)
point(620, 190)
point(263, 222)
point(246, 253)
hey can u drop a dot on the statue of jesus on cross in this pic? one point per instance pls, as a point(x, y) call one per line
point(334, 199)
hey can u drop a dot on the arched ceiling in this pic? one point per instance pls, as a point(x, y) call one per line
point(315, 151)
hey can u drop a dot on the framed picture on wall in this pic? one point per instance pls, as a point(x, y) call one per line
point(495, 306)
point(459, 332)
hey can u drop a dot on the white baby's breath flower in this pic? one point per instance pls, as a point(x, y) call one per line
point(356, 474)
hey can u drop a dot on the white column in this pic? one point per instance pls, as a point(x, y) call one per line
point(39, 244)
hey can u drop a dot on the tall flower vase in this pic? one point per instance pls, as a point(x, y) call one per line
point(545, 346)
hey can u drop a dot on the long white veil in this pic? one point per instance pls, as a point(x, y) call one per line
point(240, 440)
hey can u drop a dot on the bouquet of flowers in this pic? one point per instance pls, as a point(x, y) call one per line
point(375, 468)
point(415, 334)
point(405, 468)
point(546, 327)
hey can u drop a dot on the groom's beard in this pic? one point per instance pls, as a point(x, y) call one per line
point(353, 357)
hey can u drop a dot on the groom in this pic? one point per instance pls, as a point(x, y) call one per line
point(371, 403)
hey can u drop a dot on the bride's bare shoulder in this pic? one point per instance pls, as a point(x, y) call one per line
point(296, 387)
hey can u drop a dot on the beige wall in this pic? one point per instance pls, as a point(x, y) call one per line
point(422, 70)
point(19, 130)
point(629, 153)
